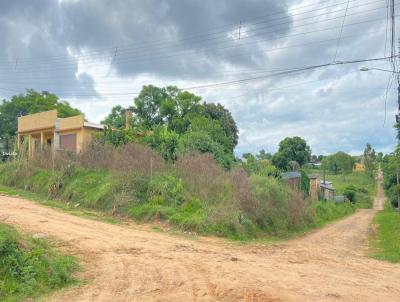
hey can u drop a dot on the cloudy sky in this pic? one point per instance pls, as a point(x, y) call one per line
point(99, 53)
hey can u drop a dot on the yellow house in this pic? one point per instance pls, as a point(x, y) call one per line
point(358, 167)
point(47, 129)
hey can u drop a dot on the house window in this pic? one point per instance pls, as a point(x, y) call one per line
point(68, 142)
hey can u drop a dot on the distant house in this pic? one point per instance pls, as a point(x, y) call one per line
point(293, 179)
point(359, 167)
point(47, 129)
point(327, 190)
point(316, 164)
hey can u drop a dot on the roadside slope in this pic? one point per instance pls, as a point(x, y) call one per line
point(125, 263)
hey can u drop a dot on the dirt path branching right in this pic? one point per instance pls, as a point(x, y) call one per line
point(123, 263)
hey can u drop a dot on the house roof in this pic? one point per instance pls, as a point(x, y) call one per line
point(291, 175)
point(93, 125)
point(327, 185)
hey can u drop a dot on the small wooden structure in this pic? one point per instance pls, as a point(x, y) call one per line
point(314, 187)
point(293, 179)
point(327, 190)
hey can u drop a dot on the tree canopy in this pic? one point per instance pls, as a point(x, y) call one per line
point(369, 158)
point(291, 149)
point(339, 162)
point(174, 119)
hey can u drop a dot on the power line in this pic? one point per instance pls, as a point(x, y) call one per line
point(245, 80)
point(230, 26)
point(341, 31)
point(50, 67)
point(11, 81)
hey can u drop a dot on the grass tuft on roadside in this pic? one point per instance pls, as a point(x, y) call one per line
point(30, 267)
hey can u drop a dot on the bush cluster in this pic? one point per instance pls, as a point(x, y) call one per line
point(30, 267)
point(358, 195)
point(193, 193)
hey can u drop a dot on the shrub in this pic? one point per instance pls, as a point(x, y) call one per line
point(30, 266)
point(166, 189)
point(350, 194)
point(202, 142)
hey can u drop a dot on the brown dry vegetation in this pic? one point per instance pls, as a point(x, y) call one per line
point(193, 193)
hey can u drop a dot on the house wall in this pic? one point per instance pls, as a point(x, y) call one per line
point(37, 121)
point(294, 183)
point(39, 127)
point(358, 167)
point(73, 122)
point(314, 188)
point(328, 194)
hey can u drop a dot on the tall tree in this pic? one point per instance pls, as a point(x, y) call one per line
point(291, 149)
point(116, 119)
point(219, 113)
point(369, 159)
point(339, 162)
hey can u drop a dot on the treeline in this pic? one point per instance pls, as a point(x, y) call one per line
point(391, 171)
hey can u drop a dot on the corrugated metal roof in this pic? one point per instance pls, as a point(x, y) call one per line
point(289, 175)
point(93, 125)
point(327, 186)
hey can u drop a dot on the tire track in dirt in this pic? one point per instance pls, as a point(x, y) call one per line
point(128, 263)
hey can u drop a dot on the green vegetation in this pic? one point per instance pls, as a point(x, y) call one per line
point(357, 184)
point(385, 241)
point(175, 122)
point(390, 167)
point(30, 267)
point(193, 193)
point(339, 162)
point(176, 163)
point(291, 150)
point(327, 211)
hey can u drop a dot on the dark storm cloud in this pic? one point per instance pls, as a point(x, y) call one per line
point(31, 34)
point(197, 32)
point(69, 47)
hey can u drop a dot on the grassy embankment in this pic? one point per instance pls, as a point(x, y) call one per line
point(30, 267)
point(363, 185)
point(192, 194)
point(385, 240)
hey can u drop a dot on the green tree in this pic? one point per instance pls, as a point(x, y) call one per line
point(255, 165)
point(219, 113)
point(339, 162)
point(202, 142)
point(164, 141)
point(147, 106)
point(264, 155)
point(291, 149)
point(117, 118)
point(369, 160)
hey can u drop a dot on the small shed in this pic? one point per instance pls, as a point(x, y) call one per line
point(314, 187)
point(327, 190)
point(293, 179)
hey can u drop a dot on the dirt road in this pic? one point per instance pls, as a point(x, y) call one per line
point(126, 263)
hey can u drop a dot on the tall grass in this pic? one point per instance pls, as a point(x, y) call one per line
point(193, 193)
point(385, 241)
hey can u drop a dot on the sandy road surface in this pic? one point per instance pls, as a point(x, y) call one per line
point(124, 263)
